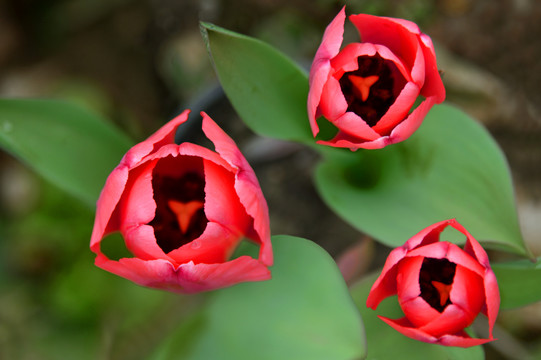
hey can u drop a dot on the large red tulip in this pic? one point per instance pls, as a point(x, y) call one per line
point(368, 89)
point(441, 288)
point(182, 210)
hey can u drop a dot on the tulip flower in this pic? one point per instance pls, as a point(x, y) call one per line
point(441, 288)
point(368, 90)
point(182, 211)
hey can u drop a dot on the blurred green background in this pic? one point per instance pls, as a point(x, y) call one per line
point(139, 62)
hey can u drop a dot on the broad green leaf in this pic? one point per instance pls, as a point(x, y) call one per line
point(266, 88)
point(450, 168)
point(304, 312)
point(68, 145)
point(383, 342)
point(519, 282)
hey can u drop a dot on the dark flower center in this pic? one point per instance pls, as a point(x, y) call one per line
point(436, 280)
point(372, 88)
point(180, 217)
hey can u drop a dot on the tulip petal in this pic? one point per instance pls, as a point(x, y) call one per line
point(450, 321)
point(399, 110)
point(352, 124)
point(492, 296)
point(395, 35)
point(407, 127)
point(426, 236)
point(407, 279)
point(404, 327)
point(201, 277)
point(385, 284)
point(333, 103)
point(215, 245)
point(222, 204)
point(321, 68)
point(419, 312)
point(164, 135)
point(137, 205)
point(468, 291)
point(107, 219)
point(246, 186)
point(433, 84)
point(152, 273)
point(461, 339)
point(141, 242)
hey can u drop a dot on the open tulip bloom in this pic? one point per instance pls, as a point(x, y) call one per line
point(441, 288)
point(368, 89)
point(182, 210)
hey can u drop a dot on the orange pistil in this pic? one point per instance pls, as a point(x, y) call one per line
point(184, 212)
point(362, 85)
point(444, 290)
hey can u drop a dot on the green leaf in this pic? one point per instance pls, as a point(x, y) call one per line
point(383, 342)
point(68, 145)
point(519, 283)
point(450, 168)
point(266, 88)
point(304, 312)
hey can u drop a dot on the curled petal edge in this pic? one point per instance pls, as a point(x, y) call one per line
point(460, 339)
point(186, 278)
point(321, 67)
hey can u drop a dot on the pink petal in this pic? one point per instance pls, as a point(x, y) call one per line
point(492, 296)
point(188, 149)
point(141, 242)
point(395, 35)
point(215, 245)
point(404, 327)
point(385, 284)
point(152, 273)
point(450, 321)
point(137, 205)
point(346, 60)
point(187, 278)
point(333, 103)
point(222, 204)
point(407, 279)
point(344, 140)
point(419, 312)
point(107, 219)
point(407, 127)
point(164, 135)
point(472, 246)
point(433, 84)
point(461, 339)
point(436, 250)
point(468, 292)
point(353, 125)
point(246, 186)
point(399, 110)
point(202, 277)
point(319, 72)
point(426, 236)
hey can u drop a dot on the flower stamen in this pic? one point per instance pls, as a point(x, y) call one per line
point(361, 85)
point(184, 212)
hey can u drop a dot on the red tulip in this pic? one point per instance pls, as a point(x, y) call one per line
point(368, 89)
point(182, 210)
point(440, 287)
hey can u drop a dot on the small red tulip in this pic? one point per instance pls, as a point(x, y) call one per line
point(182, 210)
point(368, 89)
point(441, 288)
